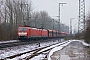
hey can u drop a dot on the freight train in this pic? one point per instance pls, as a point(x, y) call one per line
point(29, 33)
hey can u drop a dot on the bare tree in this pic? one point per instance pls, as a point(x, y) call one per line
point(15, 13)
point(87, 30)
point(11, 17)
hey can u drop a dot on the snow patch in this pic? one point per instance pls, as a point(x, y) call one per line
point(84, 43)
point(39, 57)
point(8, 41)
point(6, 52)
point(57, 48)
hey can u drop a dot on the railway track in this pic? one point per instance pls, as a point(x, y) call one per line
point(35, 52)
point(12, 44)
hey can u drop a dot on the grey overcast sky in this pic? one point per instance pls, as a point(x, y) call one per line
point(69, 10)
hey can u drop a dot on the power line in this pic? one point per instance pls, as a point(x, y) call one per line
point(63, 8)
point(55, 1)
point(71, 7)
point(65, 12)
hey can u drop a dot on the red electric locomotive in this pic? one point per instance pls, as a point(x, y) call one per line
point(28, 33)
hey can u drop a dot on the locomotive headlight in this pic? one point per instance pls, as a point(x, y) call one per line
point(22, 33)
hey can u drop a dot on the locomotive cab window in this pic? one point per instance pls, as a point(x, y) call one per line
point(22, 29)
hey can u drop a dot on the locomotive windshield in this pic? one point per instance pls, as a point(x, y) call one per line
point(22, 29)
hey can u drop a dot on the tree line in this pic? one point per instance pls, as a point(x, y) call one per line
point(85, 34)
point(87, 29)
point(15, 13)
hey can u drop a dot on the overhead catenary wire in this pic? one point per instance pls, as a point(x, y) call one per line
point(71, 8)
point(65, 12)
point(55, 1)
point(63, 9)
